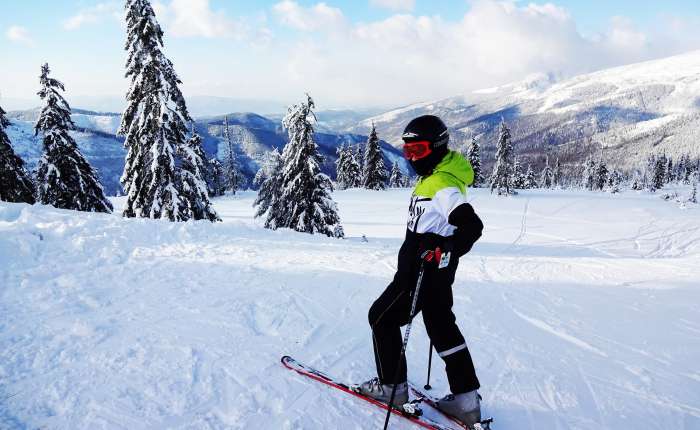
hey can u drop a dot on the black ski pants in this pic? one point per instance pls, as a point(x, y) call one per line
point(391, 311)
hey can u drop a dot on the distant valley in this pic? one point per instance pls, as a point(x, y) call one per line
point(253, 136)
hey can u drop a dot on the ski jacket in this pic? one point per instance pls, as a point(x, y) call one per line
point(437, 195)
point(439, 214)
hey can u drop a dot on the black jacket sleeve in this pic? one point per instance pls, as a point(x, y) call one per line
point(469, 228)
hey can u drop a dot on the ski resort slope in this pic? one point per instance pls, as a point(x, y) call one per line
point(581, 311)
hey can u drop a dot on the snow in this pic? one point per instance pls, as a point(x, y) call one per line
point(105, 123)
point(580, 310)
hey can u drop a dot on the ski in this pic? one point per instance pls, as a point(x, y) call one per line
point(415, 417)
point(431, 401)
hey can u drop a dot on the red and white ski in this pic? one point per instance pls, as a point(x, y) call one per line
point(319, 376)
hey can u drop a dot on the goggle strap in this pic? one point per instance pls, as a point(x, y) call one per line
point(444, 141)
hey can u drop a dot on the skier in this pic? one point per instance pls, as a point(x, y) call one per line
point(442, 227)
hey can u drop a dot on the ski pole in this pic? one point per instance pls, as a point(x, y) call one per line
point(430, 365)
point(427, 256)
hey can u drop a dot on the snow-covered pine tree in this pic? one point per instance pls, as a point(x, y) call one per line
point(693, 198)
point(217, 179)
point(547, 176)
point(659, 178)
point(518, 179)
point(670, 173)
point(501, 176)
point(306, 202)
point(601, 177)
point(374, 175)
point(615, 182)
point(557, 179)
point(16, 183)
point(690, 169)
point(232, 170)
point(530, 180)
point(65, 179)
point(154, 121)
point(637, 182)
point(192, 180)
point(360, 158)
point(589, 174)
point(268, 200)
point(396, 179)
point(474, 157)
point(679, 168)
point(353, 171)
point(341, 164)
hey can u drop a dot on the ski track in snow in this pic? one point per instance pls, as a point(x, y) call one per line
point(581, 311)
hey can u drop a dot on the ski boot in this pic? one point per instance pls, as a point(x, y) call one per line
point(465, 407)
point(382, 392)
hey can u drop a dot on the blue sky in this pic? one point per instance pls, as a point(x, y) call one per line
point(361, 53)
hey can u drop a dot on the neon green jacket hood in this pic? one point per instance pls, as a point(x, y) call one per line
point(453, 171)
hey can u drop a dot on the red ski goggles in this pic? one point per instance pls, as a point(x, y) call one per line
point(416, 150)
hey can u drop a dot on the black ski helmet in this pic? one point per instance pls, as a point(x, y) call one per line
point(427, 128)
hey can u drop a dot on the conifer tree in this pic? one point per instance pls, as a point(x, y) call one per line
point(501, 176)
point(306, 202)
point(348, 174)
point(530, 181)
point(589, 174)
point(557, 175)
point(518, 179)
point(474, 157)
point(547, 176)
point(360, 158)
point(679, 168)
point(687, 170)
point(268, 201)
point(601, 178)
point(231, 167)
point(217, 179)
point(353, 171)
point(16, 183)
point(692, 169)
point(341, 167)
point(644, 181)
point(659, 178)
point(374, 175)
point(154, 121)
point(65, 179)
point(396, 179)
point(637, 182)
point(615, 182)
point(670, 174)
point(192, 180)
point(694, 193)
point(338, 232)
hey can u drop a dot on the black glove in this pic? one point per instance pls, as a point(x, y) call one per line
point(469, 228)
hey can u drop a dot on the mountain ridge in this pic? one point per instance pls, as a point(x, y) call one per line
point(629, 112)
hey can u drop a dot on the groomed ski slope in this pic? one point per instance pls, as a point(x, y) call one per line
point(582, 311)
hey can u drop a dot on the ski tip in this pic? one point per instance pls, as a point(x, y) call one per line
point(285, 358)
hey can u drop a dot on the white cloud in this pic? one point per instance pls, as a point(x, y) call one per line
point(406, 58)
point(19, 34)
point(624, 36)
point(396, 5)
point(318, 17)
point(195, 18)
point(93, 15)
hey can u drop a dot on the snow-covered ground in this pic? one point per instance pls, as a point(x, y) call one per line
point(582, 311)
